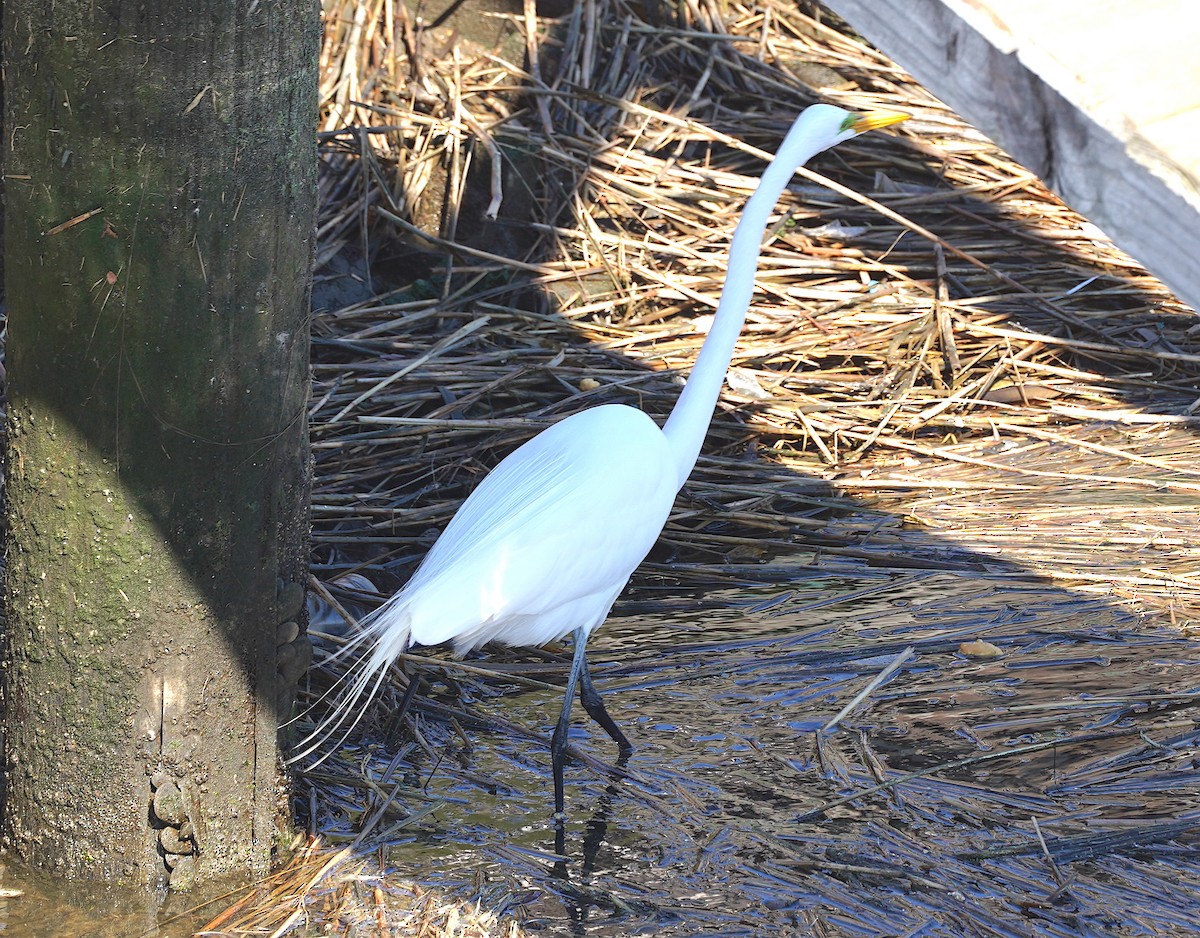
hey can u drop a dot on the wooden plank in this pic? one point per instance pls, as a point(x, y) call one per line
point(1100, 99)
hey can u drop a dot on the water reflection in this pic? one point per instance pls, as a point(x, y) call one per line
point(33, 905)
point(737, 816)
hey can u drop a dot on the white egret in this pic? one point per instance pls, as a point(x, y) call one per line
point(546, 542)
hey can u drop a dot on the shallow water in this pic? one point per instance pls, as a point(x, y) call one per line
point(37, 906)
point(737, 816)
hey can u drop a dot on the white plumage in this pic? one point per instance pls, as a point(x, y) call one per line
point(561, 502)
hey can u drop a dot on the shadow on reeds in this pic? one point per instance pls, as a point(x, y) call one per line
point(944, 426)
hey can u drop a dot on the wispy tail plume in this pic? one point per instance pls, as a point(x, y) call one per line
point(383, 636)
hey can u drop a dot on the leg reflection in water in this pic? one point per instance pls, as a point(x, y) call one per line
point(579, 896)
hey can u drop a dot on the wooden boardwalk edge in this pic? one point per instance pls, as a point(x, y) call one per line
point(1097, 156)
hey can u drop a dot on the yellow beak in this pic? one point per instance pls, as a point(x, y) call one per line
point(873, 120)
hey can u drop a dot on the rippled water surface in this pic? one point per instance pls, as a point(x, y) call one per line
point(1048, 790)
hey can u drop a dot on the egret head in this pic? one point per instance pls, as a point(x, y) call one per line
point(823, 125)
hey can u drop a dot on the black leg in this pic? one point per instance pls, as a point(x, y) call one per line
point(558, 742)
point(593, 703)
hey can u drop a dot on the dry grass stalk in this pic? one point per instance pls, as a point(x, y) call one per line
point(336, 893)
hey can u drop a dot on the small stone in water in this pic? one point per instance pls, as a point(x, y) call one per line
point(980, 649)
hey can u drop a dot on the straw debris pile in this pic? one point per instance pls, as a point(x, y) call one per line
point(928, 317)
point(524, 216)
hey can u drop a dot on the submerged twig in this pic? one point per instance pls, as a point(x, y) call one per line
point(877, 681)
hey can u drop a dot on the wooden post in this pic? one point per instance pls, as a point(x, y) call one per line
point(160, 172)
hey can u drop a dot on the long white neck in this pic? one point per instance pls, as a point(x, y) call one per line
point(688, 424)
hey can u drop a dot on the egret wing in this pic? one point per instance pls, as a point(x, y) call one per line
point(568, 515)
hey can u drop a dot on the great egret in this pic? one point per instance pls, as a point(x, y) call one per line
point(549, 538)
